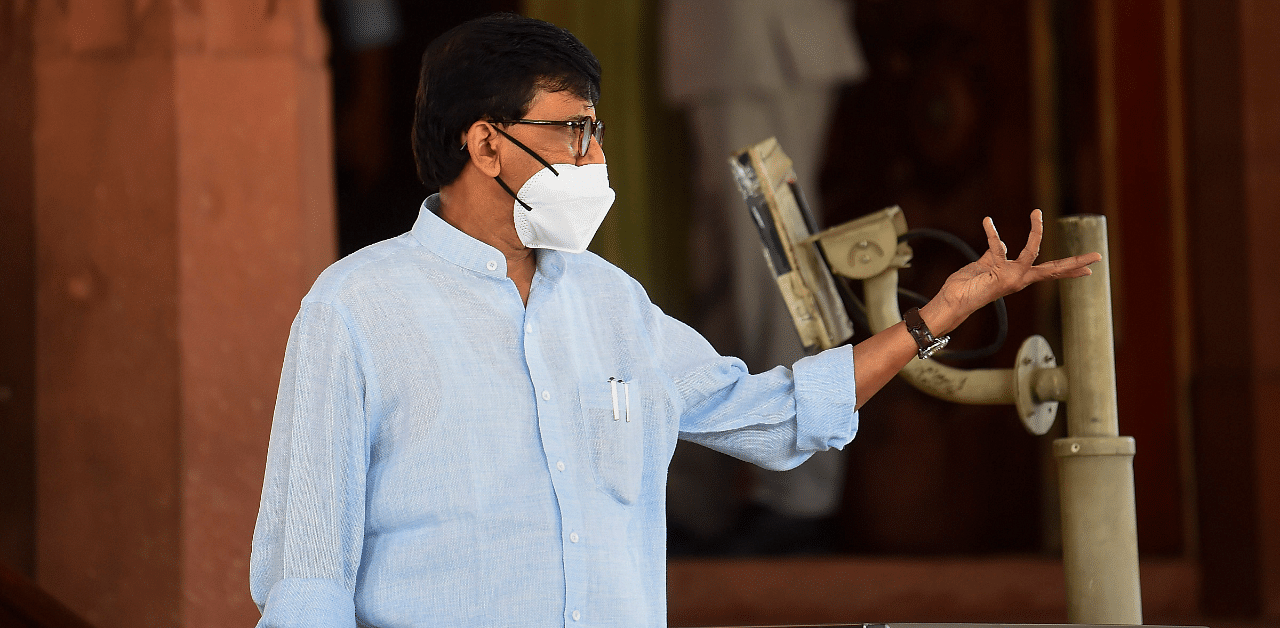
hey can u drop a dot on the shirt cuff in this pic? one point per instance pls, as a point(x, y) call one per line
point(826, 400)
point(308, 602)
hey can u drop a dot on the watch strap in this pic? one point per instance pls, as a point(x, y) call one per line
point(925, 341)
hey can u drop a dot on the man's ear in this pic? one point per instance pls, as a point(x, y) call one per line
point(481, 142)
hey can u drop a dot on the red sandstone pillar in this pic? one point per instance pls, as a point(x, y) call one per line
point(184, 204)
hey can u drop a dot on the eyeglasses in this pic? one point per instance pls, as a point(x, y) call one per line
point(586, 129)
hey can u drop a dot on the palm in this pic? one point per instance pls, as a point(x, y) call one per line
point(994, 275)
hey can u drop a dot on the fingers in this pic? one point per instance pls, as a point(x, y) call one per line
point(1032, 249)
point(1066, 268)
point(1066, 274)
point(993, 238)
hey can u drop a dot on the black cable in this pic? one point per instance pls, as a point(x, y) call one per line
point(854, 306)
point(857, 315)
point(1002, 312)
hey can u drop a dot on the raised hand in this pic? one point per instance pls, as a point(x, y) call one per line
point(994, 276)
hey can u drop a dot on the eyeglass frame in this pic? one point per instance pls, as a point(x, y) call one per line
point(596, 130)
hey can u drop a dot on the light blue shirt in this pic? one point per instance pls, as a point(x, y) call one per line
point(444, 455)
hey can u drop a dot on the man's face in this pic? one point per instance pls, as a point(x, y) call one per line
point(557, 145)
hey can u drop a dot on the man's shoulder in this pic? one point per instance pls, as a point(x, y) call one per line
point(592, 262)
point(591, 265)
point(600, 276)
point(358, 268)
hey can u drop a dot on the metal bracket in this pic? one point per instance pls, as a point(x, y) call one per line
point(1036, 410)
point(866, 246)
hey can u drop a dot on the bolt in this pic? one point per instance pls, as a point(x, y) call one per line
point(1075, 447)
point(864, 244)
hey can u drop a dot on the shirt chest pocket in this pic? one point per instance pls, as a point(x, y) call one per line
point(612, 424)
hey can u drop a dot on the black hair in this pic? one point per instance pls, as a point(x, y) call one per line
point(489, 69)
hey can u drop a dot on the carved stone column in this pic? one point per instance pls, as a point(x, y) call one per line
point(184, 204)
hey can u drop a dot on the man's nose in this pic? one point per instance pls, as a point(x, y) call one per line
point(595, 154)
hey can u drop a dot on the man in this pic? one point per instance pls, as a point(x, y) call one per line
point(475, 418)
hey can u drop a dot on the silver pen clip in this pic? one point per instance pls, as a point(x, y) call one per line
point(626, 392)
point(613, 386)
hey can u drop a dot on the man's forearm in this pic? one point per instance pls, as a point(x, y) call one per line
point(878, 358)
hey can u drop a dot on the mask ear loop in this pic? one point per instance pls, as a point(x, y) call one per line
point(513, 194)
point(526, 149)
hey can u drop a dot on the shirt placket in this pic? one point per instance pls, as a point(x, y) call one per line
point(555, 408)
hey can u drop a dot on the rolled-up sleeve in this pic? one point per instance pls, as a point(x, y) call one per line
point(309, 534)
point(775, 419)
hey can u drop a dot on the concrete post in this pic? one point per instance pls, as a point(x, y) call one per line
point(1095, 464)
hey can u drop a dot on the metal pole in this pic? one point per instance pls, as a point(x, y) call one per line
point(1095, 463)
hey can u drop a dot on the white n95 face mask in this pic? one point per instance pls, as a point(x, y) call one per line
point(561, 207)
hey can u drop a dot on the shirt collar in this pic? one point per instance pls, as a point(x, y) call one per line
point(457, 247)
point(453, 245)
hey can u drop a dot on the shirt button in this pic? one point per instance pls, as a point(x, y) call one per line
point(573, 537)
point(546, 395)
point(560, 465)
point(576, 615)
point(528, 328)
point(492, 265)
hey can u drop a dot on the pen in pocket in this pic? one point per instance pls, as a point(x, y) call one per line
point(626, 397)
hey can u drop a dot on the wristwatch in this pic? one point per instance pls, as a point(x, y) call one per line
point(924, 338)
